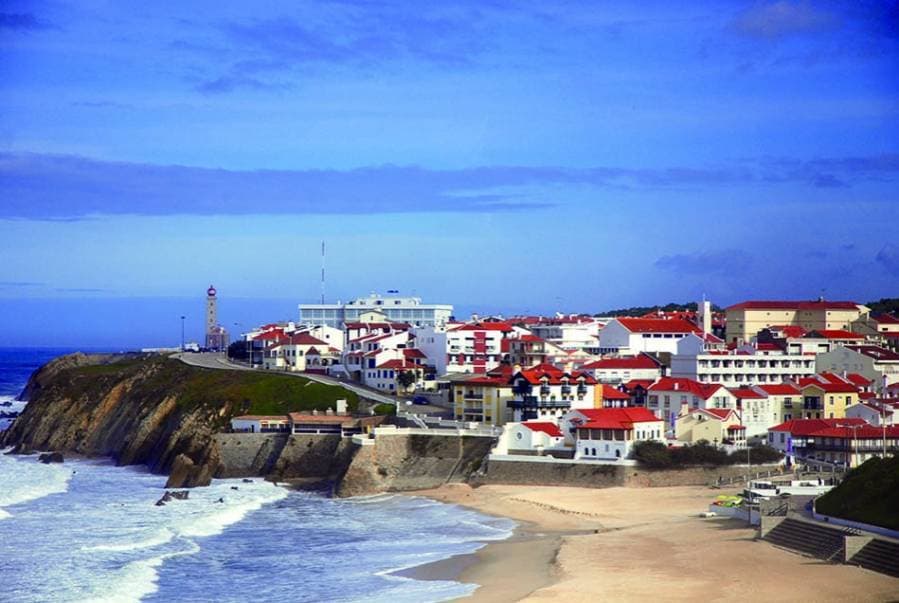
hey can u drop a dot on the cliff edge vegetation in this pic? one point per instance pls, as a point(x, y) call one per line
point(153, 410)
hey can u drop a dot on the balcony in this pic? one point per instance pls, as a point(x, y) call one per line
point(473, 395)
point(523, 388)
point(566, 389)
point(534, 402)
point(473, 411)
point(544, 390)
point(582, 390)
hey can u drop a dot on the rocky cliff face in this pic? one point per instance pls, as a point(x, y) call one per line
point(169, 416)
point(124, 407)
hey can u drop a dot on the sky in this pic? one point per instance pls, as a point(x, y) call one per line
point(503, 157)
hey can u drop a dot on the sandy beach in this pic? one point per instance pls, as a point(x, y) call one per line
point(630, 544)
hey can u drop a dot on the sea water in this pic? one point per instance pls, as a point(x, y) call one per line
point(87, 530)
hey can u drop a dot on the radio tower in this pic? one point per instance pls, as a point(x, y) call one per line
point(323, 272)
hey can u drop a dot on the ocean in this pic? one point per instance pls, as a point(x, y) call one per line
point(87, 530)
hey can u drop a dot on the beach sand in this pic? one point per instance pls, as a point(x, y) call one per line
point(633, 544)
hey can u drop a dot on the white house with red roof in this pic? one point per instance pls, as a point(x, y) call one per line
point(757, 412)
point(875, 412)
point(612, 397)
point(546, 392)
point(386, 375)
point(632, 336)
point(616, 371)
point(530, 438)
point(611, 433)
point(842, 442)
point(373, 348)
point(668, 396)
point(717, 426)
point(291, 353)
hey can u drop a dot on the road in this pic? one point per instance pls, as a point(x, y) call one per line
point(219, 361)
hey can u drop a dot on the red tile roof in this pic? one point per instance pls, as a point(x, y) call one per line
point(876, 352)
point(720, 413)
point(672, 384)
point(642, 361)
point(610, 393)
point(790, 331)
point(617, 418)
point(399, 364)
point(795, 305)
point(746, 392)
point(645, 383)
point(736, 427)
point(805, 427)
point(865, 432)
point(829, 387)
point(413, 353)
point(484, 326)
point(886, 319)
point(780, 389)
point(833, 334)
point(261, 418)
point(658, 325)
point(554, 375)
point(550, 429)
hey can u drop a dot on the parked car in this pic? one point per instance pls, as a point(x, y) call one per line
point(420, 400)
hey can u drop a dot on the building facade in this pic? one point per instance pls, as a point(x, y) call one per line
point(410, 310)
point(746, 319)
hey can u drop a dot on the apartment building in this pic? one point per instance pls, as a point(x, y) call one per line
point(743, 366)
point(873, 362)
point(484, 398)
point(746, 319)
point(464, 348)
point(670, 396)
point(395, 309)
point(545, 392)
point(615, 371)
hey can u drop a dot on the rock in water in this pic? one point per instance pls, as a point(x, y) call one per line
point(180, 494)
point(247, 481)
point(50, 457)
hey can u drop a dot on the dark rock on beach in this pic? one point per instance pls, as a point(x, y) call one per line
point(51, 457)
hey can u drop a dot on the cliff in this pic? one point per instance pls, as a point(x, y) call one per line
point(152, 410)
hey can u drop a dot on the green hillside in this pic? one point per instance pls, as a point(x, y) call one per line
point(869, 494)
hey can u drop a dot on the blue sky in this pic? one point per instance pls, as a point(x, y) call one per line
point(500, 156)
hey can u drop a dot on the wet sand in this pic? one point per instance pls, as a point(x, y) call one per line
point(633, 544)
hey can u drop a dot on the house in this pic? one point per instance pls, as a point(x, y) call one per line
point(531, 437)
point(611, 433)
point(483, 398)
point(844, 442)
point(746, 319)
point(545, 392)
point(717, 426)
point(565, 332)
point(873, 362)
point(823, 399)
point(260, 424)
point(388, 375)
point(667, 396)
point(289, 352)
point(613, 398)
point(785, 400)
point(330, 423)
point(875, 412)
point(616, 371)
point(633, 336)
point(757, 413)
point(531, 350)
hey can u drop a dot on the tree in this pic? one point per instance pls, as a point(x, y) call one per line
point(238, 350)
point(406, 379)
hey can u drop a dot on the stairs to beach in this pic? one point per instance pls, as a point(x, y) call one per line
point(810, 539)
point(880, 556)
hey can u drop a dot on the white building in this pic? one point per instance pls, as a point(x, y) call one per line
point(611, 433)
point(615, 371)
point(546, 393)
point(632, 336)
point(397, 309)
point(668, 396)
point(567, 332)
point(260, 424)
point(464, 348)
point(740, 367)
point(531, 437)
point(874, 413)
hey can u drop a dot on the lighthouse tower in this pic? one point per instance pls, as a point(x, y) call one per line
point(216, 336)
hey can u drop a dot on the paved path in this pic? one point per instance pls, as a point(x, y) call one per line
point(220, 361)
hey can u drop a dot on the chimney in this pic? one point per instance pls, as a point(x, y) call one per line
point(314, 412)
point(705, 316)
point(516, 369)
point(676, 386)
point(329, 411)
point(341, 406)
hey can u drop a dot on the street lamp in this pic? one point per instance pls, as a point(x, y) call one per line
point(182, 333)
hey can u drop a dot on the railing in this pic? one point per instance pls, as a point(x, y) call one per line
point(474, 395)
point(532, 402)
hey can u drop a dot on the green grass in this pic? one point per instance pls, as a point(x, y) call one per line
point(243, 391)
point(869, 494)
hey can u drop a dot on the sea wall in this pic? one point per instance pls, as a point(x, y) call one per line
point(402, 462)
point(594, 475)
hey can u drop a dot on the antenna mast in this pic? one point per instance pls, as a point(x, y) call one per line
point(323, 272)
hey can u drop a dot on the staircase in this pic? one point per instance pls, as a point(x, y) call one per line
point(879, 556)
point(808, 538)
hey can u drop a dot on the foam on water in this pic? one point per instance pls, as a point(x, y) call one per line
point(103, 539)
point(40, 480)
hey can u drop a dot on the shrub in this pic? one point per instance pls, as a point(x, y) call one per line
point(385, 409)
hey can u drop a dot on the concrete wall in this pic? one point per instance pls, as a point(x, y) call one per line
point(591, 475)
point(283, 456)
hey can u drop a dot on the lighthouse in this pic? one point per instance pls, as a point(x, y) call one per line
point(216, 336)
